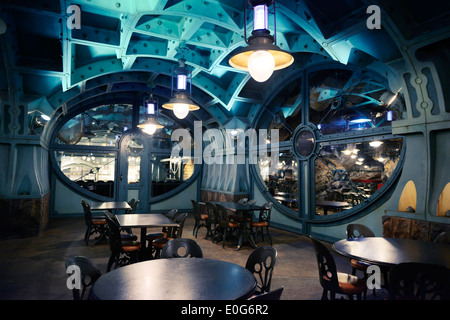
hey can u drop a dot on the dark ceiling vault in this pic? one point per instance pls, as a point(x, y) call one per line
point(124, 47)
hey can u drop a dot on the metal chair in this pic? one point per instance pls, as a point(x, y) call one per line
point(261, 263)
point(190, 247)
point(93, 224)
point(122, 252)
point(355, 231)
point(443, 237)
point(263, 222)
point(200, 219)
point(173, 233)
point(212, 221)
point(133, 204)
point(224, 224)
point(419, 281)
point(157, 235)
point(333, 281)
point(89, 274)
point(243, 201)
point(271, 295)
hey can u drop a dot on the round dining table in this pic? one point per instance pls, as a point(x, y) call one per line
point(176, 279)
point(388, 252)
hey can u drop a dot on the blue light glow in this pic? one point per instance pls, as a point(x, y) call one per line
point(360, 120)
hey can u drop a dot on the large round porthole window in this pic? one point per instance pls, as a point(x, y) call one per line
point(100, 153)
point(342, 150)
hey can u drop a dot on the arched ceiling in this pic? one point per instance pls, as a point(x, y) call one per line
point(124, 47)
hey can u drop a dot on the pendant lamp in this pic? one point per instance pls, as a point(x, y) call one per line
point(181, 102)
point(262, 56)
point(151, 124)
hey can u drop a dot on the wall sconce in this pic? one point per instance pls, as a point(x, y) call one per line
point(151, 124)
point(181, 103)
point(262, 56)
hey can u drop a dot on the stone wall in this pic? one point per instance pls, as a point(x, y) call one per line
point(22, 218)
point(405, 228)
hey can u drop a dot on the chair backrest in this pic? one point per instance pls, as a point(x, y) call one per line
point(264, 215)
point(261, 263)
point(243, 201)
point(171, 214)
point(197, 212)
point(176, 232)
point(355, 231)
point(222, 216)
point(89, 274)
point(443, 237)
point(327, 267)
point(115, 241)
point(212, 212)
point(134, 204)
point(131, 202)
point(181, 248)
point(271, 295)
point(419, 281)
point(87, 212)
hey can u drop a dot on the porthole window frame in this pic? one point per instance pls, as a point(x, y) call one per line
point(305, 218)
point(73, 186)
point(294, 141)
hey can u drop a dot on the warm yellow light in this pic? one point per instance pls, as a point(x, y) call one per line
point(180, 110)
point(178, 105)
point(261, 65)
point(150, 126)
point(282, 59)
point(149, 129)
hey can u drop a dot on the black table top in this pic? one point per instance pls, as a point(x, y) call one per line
point(391, 251)
point(145, 220)
point(176, 279)
point(110, 205)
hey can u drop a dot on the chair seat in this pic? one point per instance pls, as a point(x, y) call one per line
point(350, 284)
point(128, 237)
point(131, 246)
point(155, 235)
point(98, 221)
point(259, 224)
point(239, 218)
point(161, 242)
point(204, 217)
point(233, 224)
point(360, 265)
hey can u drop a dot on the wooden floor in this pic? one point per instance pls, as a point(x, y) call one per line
point(33, 268)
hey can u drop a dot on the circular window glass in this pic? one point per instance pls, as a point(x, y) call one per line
point(304, 143)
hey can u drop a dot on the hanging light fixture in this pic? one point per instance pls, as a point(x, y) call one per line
point(181, 103)
point(262, 56)
point(151, 124)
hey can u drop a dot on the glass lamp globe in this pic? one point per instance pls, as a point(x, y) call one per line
point(150, 129)
point(181, 110)
point(261, 65)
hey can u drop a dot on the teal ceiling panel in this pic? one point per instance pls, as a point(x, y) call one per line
point(133, 45)
point(142, 45)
